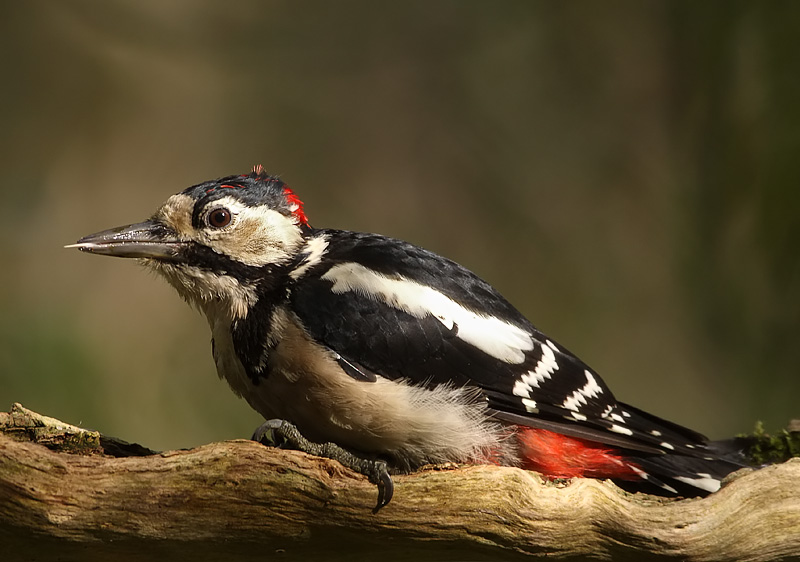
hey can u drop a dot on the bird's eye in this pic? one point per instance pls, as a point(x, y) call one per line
point(219, 217)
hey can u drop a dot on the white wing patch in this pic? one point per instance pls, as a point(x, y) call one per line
point(491, 335)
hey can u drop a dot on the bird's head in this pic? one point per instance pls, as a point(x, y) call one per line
point(217, 242)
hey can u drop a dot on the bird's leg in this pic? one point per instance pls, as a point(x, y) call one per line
point(284, 435)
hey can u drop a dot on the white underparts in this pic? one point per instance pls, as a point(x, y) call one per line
point(413, 424)
point(222, 299)
point(491, 335)
point(207, 290)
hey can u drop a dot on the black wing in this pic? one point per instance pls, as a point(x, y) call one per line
point(385, 339)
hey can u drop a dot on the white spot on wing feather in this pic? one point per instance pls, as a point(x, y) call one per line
point(703, 481)
point(546, 366)
point(544, 369)
point(619, 429)
point(590, 390)
point(521, 389)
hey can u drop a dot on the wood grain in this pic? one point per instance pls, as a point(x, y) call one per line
point(240, 499)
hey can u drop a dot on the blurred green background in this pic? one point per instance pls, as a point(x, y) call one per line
point(625, 172)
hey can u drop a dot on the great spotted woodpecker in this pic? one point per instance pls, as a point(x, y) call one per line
point(390, 351)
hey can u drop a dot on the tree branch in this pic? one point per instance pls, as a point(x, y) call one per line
point(241, 499)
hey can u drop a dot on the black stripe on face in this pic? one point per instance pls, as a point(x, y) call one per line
point(206, 259)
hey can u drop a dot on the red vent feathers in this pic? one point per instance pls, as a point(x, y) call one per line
point(560, 456)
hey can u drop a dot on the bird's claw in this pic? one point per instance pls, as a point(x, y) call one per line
point(270, 433)
point(284, 435)
point(380, 476)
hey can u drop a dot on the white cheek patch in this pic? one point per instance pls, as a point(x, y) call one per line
point(491, 335)
point(257, 236)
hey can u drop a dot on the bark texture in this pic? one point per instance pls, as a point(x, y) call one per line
point(240, 499)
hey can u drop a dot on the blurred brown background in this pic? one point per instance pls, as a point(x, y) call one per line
point(626, 173)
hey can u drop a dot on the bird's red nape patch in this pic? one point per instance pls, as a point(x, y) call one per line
point(296, 206)
point(559, 456)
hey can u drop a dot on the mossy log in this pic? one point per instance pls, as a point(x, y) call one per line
point(70, 494)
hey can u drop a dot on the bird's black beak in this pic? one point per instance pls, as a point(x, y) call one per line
point(149, 239)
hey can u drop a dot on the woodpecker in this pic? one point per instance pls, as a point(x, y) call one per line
point(392, 353)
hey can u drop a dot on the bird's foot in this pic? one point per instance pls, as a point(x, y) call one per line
point(284, 435)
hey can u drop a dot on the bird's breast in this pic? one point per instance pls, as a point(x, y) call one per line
point(302, 382)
